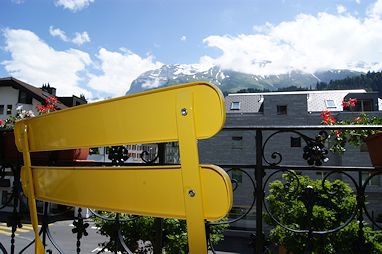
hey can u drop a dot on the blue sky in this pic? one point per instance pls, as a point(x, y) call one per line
point(98, 47)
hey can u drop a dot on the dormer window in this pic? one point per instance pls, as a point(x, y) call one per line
point(330, 104)
point(235, 105)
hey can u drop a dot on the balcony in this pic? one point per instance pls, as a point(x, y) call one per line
point(268, 167)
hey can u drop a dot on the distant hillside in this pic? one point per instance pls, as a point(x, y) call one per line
point(232, 81)
point(371, 81)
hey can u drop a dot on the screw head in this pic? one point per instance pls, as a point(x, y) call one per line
point(184, 111)
point(191, 193)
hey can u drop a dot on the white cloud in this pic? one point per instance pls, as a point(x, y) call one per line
point(78, 39)
point(119, 70)
point(56, 32)
point(307, 43)
point(358, 1)
point(341, 9)
point(375, 10)
point(183, 38)
point(35, 62)
point(81, 38)
point(74, 5)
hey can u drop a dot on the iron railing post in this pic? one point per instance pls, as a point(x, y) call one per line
point(259, 174)
point(158, 222)
point(15, 213)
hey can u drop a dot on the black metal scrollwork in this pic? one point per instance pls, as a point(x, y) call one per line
point(363, 188)
point(309, 197)
point(144, 155)
point(118, 155)
point(116, 236)
point(79, 229)
point(315, 152)
point(242, 216)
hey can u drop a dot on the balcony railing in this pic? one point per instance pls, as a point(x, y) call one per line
point(274, 160)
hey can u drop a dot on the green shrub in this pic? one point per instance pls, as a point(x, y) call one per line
point(329, 212)
point(142, 229)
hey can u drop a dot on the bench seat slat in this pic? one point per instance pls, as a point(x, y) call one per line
point(147, 117)
point(152, 191)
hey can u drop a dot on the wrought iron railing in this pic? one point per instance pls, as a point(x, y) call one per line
point(270, 165)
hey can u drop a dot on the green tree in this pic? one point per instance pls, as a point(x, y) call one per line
point(329, 211)
point(142, 229)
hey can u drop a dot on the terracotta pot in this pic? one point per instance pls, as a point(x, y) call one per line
point(10, 154)
point(71, 155)
point(8, 149)
point(374, 145)
point(283, 250)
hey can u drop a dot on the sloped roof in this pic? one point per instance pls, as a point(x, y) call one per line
point(36, 93)
point(316, 100)
point(248, 104)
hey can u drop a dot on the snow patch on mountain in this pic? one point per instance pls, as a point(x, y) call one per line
point(232, 81)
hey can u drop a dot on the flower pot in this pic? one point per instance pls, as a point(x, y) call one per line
point(71, 154)
point(10, 154)
point(374, 145)
point(283, 250)
point(8, 149)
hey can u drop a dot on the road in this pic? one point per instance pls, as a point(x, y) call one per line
point(62, 234)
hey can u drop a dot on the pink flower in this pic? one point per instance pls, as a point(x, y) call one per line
point(349, 103)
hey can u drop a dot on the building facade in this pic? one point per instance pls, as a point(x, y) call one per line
point(16, 94)
point(302, 108)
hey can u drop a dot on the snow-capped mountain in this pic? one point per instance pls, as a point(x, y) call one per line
point(232, 81)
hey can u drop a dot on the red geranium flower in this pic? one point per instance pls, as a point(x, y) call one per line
point(327, 117)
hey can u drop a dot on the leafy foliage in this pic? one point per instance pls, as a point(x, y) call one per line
point(330, 211)
point(339, 138)
point(370, 81)
point(139, 234)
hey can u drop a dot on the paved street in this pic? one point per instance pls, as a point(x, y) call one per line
point(62, 234)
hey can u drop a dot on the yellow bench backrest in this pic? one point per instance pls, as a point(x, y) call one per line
point(183, 113)
point(147, 117)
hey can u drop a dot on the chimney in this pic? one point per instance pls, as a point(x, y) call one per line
point(47, 88)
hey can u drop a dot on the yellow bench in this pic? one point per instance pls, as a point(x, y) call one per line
point(183, 113)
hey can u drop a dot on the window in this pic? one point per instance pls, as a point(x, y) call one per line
point(24, 97)
point(295, 141)
point(363, 105)
point(235, 105)
point(9, 109)
point(282, 109)
point(1, 109)
point(330, 104)
point(237, 142)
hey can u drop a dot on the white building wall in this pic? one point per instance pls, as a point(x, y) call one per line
point(10, 96)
